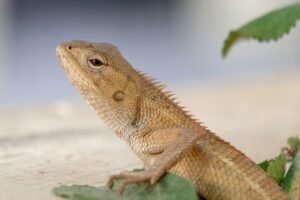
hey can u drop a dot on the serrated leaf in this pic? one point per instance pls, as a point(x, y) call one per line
point(291, 182)
point(275, 167)
point(268, 27)
point(170, 187)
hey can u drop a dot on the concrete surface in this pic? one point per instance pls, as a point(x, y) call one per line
point(43, 146)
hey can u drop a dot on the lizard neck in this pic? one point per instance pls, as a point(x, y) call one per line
point(109, 112)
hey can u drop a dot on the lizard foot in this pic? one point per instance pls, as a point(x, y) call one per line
point(130, 178)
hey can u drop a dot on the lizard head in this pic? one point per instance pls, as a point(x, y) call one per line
point(103, 77)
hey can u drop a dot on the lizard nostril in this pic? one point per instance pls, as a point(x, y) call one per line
point(69, 47)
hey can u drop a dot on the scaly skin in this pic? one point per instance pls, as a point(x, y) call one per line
point(159, 131)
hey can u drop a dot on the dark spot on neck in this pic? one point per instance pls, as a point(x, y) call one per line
point(137, 114)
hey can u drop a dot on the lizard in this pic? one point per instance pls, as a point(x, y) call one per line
point(158, 130)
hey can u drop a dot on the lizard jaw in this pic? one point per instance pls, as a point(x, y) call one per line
point(72, 68)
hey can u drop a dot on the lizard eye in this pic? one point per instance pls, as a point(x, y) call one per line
point(96, 62)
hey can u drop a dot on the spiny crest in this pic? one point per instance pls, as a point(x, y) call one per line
point(153, 83)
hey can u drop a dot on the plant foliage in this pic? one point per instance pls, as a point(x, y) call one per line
point(170, 187)
point(268, 27)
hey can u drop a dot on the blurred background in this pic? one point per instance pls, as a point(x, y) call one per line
point(49, 136)
point(179, 42)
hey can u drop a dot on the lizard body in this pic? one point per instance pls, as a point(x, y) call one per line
point(158, 130)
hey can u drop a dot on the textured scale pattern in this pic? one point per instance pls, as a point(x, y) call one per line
point(158, 130)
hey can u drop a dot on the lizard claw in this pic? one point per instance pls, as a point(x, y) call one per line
point(130, 178)
point(110, 181)
point(113, 177)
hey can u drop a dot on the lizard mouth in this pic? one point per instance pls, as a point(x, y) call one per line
point(72, 67)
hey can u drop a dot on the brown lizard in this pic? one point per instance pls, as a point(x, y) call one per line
point(158, 130)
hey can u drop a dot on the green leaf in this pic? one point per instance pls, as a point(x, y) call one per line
point(294, 143)
point(170, 187)
point(291, 182)
point(268, 27)
point(275, 167)
point(85, 192)
point(264, 165)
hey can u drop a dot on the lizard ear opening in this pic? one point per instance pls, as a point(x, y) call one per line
point(119, 95)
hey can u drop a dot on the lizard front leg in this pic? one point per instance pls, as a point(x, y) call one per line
point(168, 146)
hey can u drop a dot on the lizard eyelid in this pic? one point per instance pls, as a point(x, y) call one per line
point(96, 62)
